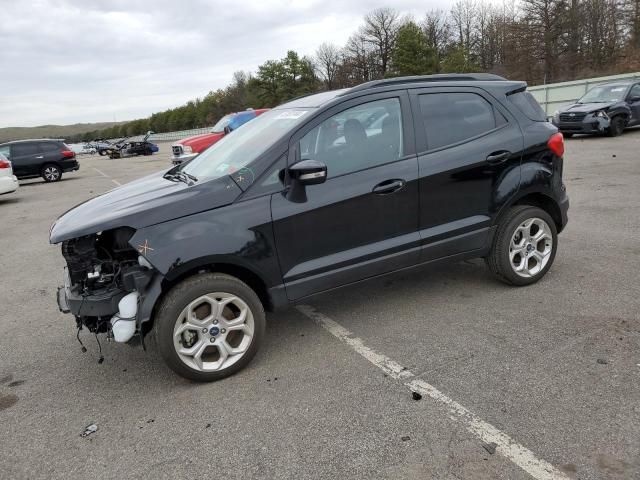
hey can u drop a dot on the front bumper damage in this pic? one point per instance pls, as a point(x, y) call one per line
point(119, 312)
point(590, 124)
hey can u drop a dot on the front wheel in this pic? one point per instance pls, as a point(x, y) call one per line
point(524, 246)
point(616, 126)
point(209, 326)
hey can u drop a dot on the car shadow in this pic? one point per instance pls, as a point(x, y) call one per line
point(7, 200)
point(35, 181)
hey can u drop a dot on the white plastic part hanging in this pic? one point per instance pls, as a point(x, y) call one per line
point(123, 323)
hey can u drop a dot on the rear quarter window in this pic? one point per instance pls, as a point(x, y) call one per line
point(528, 105)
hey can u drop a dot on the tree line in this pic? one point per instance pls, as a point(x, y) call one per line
point(540, 41)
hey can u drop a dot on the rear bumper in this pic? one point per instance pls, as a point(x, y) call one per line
point(564, 210)
point(8, 184)
point(70, 166)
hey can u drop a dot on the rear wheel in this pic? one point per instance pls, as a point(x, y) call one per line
point(209, 327)
point(616, 126)
point(51, 173)
point(102, 153)
point(524, 247)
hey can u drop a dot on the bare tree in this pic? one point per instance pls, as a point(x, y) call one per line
point(463, 17)
point(359, 61)
point(437, 30)
point(380, 30)
point(327, 61)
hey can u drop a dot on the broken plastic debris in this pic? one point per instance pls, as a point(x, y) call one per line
point(93, 428)
point(602, 361)
point(490, 447)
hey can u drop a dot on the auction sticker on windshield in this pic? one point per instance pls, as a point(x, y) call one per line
point(291, 114)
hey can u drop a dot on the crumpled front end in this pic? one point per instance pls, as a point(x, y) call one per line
point(108, 284)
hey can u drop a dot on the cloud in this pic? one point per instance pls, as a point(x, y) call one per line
point(67, 61)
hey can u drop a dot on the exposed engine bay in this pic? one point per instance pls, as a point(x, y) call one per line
point(105, 277)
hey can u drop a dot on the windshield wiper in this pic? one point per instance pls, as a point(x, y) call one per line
point(181, 177)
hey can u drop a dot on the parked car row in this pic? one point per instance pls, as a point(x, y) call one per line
point(190, 147)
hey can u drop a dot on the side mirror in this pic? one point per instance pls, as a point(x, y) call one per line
point(227, 130)
point(634, 99)
point(303, 173)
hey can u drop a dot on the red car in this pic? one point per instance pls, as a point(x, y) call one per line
point(190, 147)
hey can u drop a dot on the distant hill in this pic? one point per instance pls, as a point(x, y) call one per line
point(51, 131)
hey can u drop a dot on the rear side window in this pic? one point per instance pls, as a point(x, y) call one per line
point(4, 150)
point(50, 146)
point(20, 149)
point(528, 105)
point(454, 117)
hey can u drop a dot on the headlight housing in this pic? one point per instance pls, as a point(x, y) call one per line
point(187, 149)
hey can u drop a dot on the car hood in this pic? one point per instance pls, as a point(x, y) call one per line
point(147, 201)
point(196, 139)
point(586, 107)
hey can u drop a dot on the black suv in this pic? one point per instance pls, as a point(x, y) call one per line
point(607, 108)
point(321, 192)
point(40, 158)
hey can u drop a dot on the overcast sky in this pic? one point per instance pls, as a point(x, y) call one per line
point(68, 61)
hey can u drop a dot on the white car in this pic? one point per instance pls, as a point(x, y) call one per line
point(8, 181)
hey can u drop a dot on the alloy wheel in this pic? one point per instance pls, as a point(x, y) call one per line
point(530, 247)
point(213, 332)
point(51, 173)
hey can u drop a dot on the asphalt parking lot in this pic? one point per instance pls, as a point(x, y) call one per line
point(548, 373)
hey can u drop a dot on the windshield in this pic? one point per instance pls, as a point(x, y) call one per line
point(605, 94)
point(244, 145)
point(223, 122)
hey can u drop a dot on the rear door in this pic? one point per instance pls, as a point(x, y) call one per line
point(26, 158)
point(363, 220)
point(468, 145)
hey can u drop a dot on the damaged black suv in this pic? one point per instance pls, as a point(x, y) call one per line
point(321, 192)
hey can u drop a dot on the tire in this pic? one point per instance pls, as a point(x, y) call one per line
point(211, 337)
point(567, 135)
point(533, 262)
point(51, 173)
point(102, 153)
point(616, 126)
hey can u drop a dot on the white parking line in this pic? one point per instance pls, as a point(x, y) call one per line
point(505, 445)
point(105, 175)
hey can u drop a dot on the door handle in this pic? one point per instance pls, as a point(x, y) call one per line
point(39, 157)
point(388, 186)
point(498, 157)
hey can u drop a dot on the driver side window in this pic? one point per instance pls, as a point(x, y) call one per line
point(360, 137)
point(635, 91)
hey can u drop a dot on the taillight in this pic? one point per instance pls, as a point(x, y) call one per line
point(68, 154)
point(556, 144)
point(4, 164)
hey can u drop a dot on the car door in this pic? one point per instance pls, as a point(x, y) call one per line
point(26, 158)
point(633, 99)
point(363, 220)
point(469, 146)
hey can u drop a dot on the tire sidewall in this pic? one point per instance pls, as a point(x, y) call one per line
point(180, 296)
point(505, 238)
point(616, 127)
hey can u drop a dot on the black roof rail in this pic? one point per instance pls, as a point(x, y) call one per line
point(443, 77)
